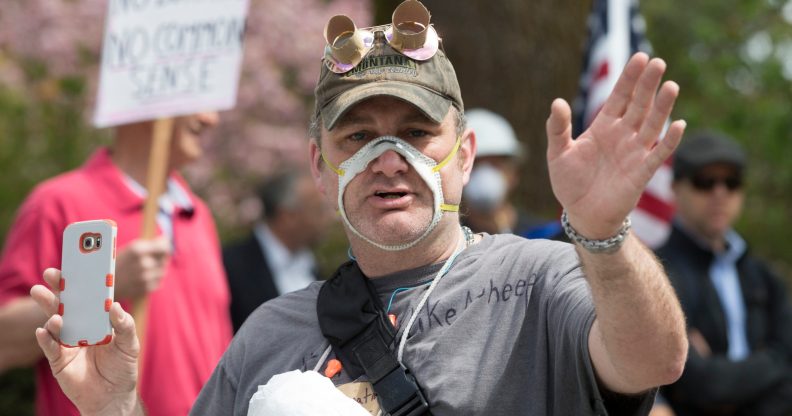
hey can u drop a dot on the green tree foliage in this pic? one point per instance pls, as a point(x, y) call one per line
point(42, 134)
point(733, 62)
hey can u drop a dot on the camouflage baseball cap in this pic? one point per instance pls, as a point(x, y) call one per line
point(429, 85)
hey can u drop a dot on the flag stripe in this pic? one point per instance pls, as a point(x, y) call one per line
point(615, 33)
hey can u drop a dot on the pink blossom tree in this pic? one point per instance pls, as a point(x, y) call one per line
point(45, 41)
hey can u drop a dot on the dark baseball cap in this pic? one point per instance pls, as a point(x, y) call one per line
point(430, 85)
point(705, 148)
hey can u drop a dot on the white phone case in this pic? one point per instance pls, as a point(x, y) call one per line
point(87, 282)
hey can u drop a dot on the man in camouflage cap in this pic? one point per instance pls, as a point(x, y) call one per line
point(429, 317)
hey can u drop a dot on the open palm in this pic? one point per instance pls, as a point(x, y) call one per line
point(96, 379)
point(599, 177)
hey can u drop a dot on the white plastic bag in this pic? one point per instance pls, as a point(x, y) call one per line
point(302, 394)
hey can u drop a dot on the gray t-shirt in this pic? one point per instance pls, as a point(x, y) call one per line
point(505, 332)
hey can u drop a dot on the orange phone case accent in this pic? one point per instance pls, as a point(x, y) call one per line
point(62, 284)
point(108, 304)
point(106, 340)
point(60, 309)
point(109, 280)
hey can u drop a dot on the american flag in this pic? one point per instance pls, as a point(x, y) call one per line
point(616, 31)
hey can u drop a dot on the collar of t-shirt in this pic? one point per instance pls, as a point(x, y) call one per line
point(423, 275)
point(175, 198)
point(290, 271)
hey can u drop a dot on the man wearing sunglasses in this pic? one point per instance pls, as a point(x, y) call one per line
point(739, 318)
point(431, 317)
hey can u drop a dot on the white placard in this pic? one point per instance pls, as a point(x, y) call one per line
point(164, 58)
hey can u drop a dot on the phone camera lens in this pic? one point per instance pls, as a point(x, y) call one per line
point(98, 242)
point(88, 243)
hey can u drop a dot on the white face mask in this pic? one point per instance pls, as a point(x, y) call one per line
point(426, 167)
point(486, 189)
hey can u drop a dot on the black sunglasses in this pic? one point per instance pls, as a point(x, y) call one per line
point(707, 183)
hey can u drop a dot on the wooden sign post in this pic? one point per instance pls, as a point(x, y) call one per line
point(163, 59)
point(156, 178)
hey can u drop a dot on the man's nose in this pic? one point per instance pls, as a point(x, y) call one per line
point(720, 192)
point(389, 163)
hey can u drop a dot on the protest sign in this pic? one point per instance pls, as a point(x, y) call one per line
point(164, 58)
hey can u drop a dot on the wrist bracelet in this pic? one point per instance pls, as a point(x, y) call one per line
point(608, 245)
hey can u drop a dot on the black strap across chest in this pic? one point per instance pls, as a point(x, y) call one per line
point(353, 320)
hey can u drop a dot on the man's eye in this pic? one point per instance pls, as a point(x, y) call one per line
point(357, 136)
point(417, 133)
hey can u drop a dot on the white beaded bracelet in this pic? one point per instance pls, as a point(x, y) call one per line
point(608, 245)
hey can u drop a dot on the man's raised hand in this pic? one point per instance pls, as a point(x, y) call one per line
point(599, 177)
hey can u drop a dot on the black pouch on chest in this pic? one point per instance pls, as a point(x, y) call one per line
point(353, 320)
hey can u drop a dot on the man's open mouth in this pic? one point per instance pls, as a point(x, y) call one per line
point(390, 195)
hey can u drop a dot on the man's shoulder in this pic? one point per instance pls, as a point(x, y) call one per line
point(505, 258)
point(289, 313)
point(55, 192)
point(549, 253)
point(278, 335)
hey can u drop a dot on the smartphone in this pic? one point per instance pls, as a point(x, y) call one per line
point(87, 282)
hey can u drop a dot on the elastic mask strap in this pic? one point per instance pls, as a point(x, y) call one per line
point(338, 171)
point(450, 155)
point(449, 207)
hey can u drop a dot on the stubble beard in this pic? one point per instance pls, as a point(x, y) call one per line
point(393, 227)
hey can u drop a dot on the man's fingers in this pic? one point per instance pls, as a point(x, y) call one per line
point(48, 344)
point(559, 128)
point(124, 325)
point(644, 95)
point(666, 147)
point(160, 246)
point(53, 278)
point(47, 338)
point(46, 300)
point(664, 104)
point(157, 247)
point(622, 92)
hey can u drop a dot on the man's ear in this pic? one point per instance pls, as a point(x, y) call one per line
point(315, 153)
point(467, 153)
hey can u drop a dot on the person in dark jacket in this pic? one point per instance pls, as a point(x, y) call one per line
point(738, 315)
point(277, 258)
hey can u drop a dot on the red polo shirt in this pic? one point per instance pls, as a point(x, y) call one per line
point(188, 324)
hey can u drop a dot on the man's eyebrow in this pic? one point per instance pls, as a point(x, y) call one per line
point(352, 118)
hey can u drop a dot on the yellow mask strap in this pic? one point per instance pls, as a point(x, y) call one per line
point(449, 207)
point(450, 155)
point(338, 171)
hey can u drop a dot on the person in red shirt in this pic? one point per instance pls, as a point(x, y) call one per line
point(180, 271)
